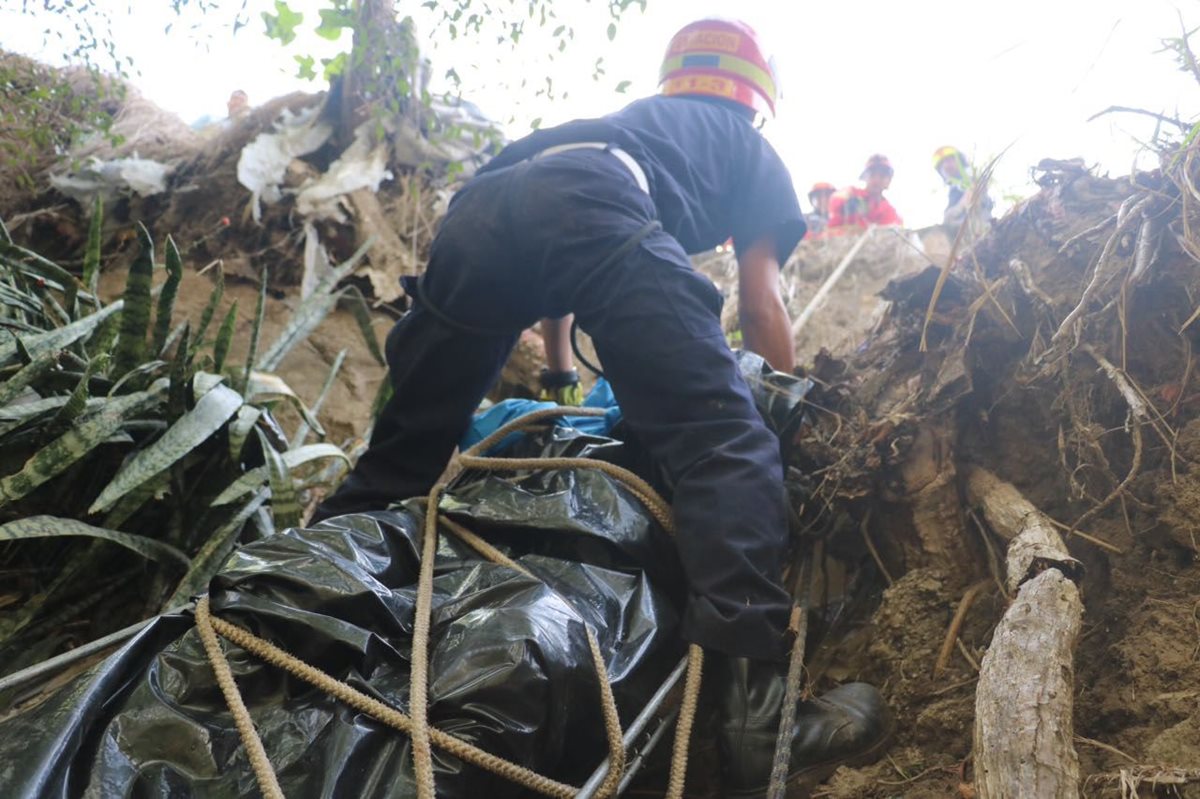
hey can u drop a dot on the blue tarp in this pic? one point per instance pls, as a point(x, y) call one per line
point(503, 412)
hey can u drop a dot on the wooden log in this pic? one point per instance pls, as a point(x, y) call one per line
point(1024, 701)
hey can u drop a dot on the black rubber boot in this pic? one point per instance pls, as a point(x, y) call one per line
point(847, 726)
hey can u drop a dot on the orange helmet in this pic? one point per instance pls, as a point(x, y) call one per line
point(821, 186)
point(877, 162)
point(720, 58)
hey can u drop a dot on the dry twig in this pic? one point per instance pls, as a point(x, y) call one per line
point(956, 624)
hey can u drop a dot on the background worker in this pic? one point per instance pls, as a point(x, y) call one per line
point(866, 205)
point(958, 174)
point(818, 197)
point(238, 104)
point(595, 218)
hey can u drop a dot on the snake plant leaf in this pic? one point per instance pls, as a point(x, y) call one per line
point(174, 335)
point(224, 337)
point(309, 314)
point(256, 331)
point(16, 415)
point(292, 459)
point(382, 397)
point(135, 320)
point(57, 456)
point(311, 311)
point(211, 413)
point(212, 555)
point(343, 270)
point(264, 386)
point(132, 502)
point(91, 256)
point(180, 377)
point(12, 299)
point(302, 428)
point(105, 336)
point(61, 337)
point(240, 427)
point(54, 276)
point(55, 308)
point(285, 506)
point(362, 315)
point(77, 403)
point(54, 526)
point(204, 382)
point(137, 376)
point(27, 375)
point(210, 309)
point(166, 299)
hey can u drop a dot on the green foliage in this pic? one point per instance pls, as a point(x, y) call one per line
point(362, 315)
point(52, 527)
point(211, 413)
point(43, 113)
point(135, 318)
point(224, 337)
point(210, 309)
point(103, 442)
point(91, 256)
point(166, 299)
point(283, 23)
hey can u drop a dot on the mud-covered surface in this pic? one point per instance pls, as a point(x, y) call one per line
point(1091, 413)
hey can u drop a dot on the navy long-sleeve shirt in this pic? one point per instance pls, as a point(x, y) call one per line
point(712, 176)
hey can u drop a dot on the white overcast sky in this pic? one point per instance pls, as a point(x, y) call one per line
point(887, 76)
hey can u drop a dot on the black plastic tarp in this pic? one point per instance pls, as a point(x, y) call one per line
point(509, 661)
point(510, 666)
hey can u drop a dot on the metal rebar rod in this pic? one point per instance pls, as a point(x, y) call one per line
point(639, 759)
point(636, 727)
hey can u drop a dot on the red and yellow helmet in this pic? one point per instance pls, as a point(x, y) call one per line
point(821, 187)
point(942, 153)
point(720, 58)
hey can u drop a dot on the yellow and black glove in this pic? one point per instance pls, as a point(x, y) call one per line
point(561, 387)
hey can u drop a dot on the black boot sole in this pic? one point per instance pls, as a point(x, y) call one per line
point(800, 785)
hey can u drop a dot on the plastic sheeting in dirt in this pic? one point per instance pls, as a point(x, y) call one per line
point(510, 665)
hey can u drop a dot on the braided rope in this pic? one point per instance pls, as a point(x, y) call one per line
point(417, 725)
point(272, 654)
point(268, 783)
point(418, 700)
point(608, 703)
point(683, 728)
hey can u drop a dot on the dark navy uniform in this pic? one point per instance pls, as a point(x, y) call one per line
point(532, 237)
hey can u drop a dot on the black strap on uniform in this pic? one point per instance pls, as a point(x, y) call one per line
point(626, 247)
point(450, 321)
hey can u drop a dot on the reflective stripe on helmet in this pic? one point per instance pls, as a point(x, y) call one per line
point(760, 77)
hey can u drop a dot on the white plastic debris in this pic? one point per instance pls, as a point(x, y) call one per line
point(113, 178)
point(264, 161)
point(361, 166)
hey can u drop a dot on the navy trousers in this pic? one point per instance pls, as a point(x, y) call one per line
point(526, 242)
